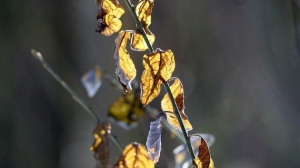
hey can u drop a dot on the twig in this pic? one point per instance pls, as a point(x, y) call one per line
point(75, 96)
point(177, 114)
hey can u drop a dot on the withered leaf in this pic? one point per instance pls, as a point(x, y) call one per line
point(108, 16)
point(134, 156)
point(92, 81)
point(125, 69)
point(166, 105)
point(203, 159)
point(181, 154)
point(159, 67)
point(143, 10)
point(100, 146)
point(137, 41)
point(126, 110)
point(154, 139)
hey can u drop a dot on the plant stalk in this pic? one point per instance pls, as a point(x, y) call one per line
point(75, 96)
point(166, 85)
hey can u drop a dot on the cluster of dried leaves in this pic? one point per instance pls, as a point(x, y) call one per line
point(158, 68)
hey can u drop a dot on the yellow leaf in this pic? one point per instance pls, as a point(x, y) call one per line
point(108, 16)
point(137, 41)
point(100, 146)
point(134, 156)
point(125, 69)
point(159, 67)
point(126, 110)
point(143, 10)
point(166, 105)
point(203, 160)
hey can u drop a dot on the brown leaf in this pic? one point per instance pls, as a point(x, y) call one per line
point(137, 41)
point(126, 110)
point(203, 159)
point(166, 105)
point(143, 10)
point(108, 16)
point(125, 69)
point(100, 146)
point(159, 67)
point(181, 153)
point(134, 156)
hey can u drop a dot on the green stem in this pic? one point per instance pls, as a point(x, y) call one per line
point(139, 25)
point(75, 96)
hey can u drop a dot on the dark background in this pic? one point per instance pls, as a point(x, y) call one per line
point(238, 61)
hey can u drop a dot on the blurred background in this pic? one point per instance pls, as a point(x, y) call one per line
point(238, 61)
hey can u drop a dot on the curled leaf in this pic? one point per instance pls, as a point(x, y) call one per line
point(108, 16)
point(203, 159)
point(159, 67)
point(100, 146)
point(154, 139)
point(137, 40)
point(92, 81)
point(143, 10)
point(125, 69)
point(181, 154)
point(166, 105)
point(126, 110)
point(134, 156)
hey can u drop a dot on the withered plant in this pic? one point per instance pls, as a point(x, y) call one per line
point(158, 65)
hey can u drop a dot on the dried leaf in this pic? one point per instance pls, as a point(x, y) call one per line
point(154, 139)
point(159, 67)
point(92, 81)
point(203, 159)
point(143, 10)
point(100, 146)
point(126, 110)
point(166, 105)
point(125, 69)
point(108, 16)
point(181, 154)
point(137, 41)
point(134, 156)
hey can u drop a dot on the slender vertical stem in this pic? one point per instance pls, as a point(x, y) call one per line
point(75, 96)
point(177, 113)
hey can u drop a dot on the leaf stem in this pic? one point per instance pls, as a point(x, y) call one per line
point(75, 96)
point(139, 25)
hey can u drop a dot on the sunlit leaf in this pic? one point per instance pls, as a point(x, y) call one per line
point(166, 105)
point(125, 69)
point(159, 67)
point(126, 110)
point(108, 16)
point(92, 81)
point(203, 159)
point(100, 146)
point(137, 41)
point(134, 156)
point(181, 154)
point(154, 139)
point(143, 10)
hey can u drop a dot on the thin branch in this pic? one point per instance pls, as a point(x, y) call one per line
point(75, 96)
point(177, 114)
